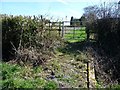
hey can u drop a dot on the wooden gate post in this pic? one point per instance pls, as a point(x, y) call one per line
point(62, 28)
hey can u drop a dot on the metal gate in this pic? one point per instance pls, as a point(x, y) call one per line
point(73, 32)
point(67, 31)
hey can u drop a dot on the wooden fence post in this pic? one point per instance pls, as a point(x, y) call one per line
point(59, 28)
point(88, 75)
point(49, 28)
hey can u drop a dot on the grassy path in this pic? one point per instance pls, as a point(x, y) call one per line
point(69, 67)
point(66, 69)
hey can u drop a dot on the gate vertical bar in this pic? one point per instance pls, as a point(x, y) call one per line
point(74, 32)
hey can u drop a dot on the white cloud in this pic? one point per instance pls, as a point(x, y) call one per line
point(63, 1)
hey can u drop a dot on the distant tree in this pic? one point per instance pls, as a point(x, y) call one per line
point(104, 10)
point(76, 22)
point(82, 20)
point(71, 21)
point(90, 13)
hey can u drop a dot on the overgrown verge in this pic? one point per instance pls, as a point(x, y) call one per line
point(27, 43)
point(108, 35)
point(26, 39)
point(108, 47)
point(63, 71)
point(106, 68)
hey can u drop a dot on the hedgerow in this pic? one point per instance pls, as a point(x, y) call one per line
point(26, 39)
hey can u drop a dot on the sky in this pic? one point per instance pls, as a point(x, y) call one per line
point(57, 9)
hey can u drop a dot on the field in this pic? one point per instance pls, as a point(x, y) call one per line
point(75, 35)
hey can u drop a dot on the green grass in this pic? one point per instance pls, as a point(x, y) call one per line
point(75, 35)
point(65, 67)
point(15, 76)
